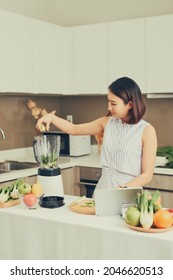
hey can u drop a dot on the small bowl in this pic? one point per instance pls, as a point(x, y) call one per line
point(30, 201)
point(51, 201)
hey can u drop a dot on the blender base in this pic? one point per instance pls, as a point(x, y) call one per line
point(52, 185)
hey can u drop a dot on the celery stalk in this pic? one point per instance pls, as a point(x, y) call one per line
point(147, 208)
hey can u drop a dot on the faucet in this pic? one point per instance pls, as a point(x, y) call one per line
point(2, 132)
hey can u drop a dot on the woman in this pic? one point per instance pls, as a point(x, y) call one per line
point(129, 143)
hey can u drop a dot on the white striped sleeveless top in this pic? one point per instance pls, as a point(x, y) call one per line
point(121, 152)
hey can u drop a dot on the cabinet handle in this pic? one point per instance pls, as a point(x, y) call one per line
point(159, 189)
point(98, 175)
point(86, 183)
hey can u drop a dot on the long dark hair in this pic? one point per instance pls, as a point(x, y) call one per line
point(128, 90)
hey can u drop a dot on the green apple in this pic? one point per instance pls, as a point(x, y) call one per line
point(132, 216)
point(24, 188)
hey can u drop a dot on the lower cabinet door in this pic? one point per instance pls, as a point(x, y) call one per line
point(163, 183)
point(70, 177)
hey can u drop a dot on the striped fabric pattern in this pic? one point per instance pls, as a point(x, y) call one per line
point(121, 152)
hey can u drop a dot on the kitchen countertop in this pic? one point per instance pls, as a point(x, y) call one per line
point(61, 234)
point(26, 154)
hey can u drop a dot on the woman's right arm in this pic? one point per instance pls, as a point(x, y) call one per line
point(91, 128)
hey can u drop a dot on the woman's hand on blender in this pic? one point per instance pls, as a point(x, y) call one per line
point(43, 124)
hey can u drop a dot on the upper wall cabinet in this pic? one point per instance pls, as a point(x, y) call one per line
point(159, 51)
point(126, 51)
point(90, 59)
point(48, 57)
point(68, 61)
point(15, 53)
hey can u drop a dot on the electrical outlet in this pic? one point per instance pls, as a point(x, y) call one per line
point(70, 118)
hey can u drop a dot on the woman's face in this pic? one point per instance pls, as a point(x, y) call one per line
point(117, 107)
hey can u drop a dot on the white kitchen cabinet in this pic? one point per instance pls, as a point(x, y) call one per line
point(126, 51)
point(159, 52)
point(15, 53)
point(90, 59)
point(48, 57)
point(68, 62)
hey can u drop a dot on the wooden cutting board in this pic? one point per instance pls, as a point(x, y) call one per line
point(79, 207)
point(9, 203)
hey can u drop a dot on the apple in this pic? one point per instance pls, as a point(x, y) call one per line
point(24, 188)
point(30, 200)
point(170, 210)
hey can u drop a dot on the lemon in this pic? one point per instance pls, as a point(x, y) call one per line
point(37, 189)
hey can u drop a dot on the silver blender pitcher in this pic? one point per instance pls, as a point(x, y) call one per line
point(46, 148)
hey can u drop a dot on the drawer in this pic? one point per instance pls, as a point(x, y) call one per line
point(90, 173)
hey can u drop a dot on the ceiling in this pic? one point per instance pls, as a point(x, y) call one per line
point(82, 12)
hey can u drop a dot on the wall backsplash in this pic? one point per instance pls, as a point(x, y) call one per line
point(19, 125)
point(159, 113)
point(17, 122)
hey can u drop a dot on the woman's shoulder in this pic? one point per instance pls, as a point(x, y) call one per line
point(147, 125)
point(105, 120)
point(102, 121)
point(143, 124)
point(149, 128)
point(149, 131)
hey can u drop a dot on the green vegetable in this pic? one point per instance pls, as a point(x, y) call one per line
point(11, 191)
point(132, 216)
point(138, 201)
point(49, 161)
point(4, 194)
point(157, 207)
point(90, 203)
point(14, 194)
point(147, 208)
point(167, 152)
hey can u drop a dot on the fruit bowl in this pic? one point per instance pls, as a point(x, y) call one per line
point(30, 201)
point(149, 230)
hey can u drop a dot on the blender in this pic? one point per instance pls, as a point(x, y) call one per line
point(46, 148)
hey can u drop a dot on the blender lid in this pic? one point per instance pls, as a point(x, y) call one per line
point(50, 133)
point(52, 201)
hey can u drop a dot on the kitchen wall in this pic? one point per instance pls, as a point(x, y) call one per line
point(19, 125)
point(159, 113)
point(17, 122)
point(85, 108)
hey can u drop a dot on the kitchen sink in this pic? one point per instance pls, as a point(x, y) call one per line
point(10, 165)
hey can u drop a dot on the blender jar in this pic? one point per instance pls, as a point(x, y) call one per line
point(46, 150)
